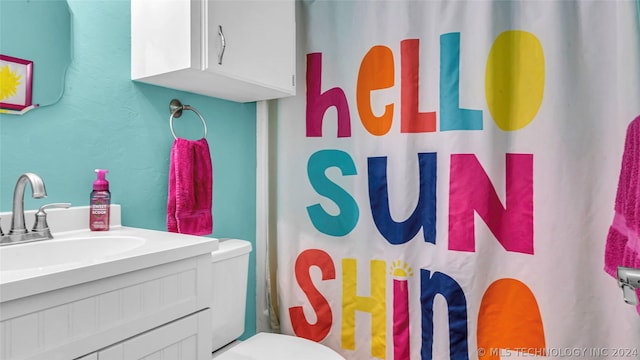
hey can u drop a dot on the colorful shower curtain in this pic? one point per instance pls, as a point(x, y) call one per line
point(447, 175)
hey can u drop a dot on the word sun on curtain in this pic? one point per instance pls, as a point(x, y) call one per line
point(447, 176)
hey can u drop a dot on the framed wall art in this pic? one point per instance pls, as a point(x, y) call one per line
point(16, 80)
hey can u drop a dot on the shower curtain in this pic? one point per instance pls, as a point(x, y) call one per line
point(446, 176)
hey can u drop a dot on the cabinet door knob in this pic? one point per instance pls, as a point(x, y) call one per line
point(223, 44)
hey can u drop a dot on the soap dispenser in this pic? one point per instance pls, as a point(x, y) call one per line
point(100, 203)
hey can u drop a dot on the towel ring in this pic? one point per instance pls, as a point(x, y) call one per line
point(176, 108)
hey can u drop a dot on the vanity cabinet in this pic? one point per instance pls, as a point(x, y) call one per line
point(180, 340)
point(236, 50)
point(157, 311)
point(93, 356)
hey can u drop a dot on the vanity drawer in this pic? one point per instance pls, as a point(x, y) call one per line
point(182, 339)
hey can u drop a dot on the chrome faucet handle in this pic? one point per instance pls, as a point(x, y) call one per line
point(40, 223)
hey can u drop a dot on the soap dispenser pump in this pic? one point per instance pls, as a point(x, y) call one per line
point(100, 203)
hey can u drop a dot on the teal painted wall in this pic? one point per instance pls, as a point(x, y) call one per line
point(52, 51)
point(105, 120)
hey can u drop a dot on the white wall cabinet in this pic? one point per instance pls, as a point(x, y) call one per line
point(236, 50)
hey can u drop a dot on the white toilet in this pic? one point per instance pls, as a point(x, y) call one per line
point(230, 266)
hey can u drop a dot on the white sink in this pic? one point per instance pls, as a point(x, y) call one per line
point(77, 255)
point(64, 252)
point(85, 290)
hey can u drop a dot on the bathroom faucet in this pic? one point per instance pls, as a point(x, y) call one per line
point(37, 192)
point(629, 281)
point(18, 232)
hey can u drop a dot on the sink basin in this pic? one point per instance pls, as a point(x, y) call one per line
point(77, 255)
point(86, 290)
point(64, 252)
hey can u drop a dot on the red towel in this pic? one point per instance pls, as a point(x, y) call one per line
point(190, 188)
point(623, 243)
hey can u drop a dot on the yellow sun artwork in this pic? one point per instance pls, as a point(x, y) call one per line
point(9, 82)
point(400, 269)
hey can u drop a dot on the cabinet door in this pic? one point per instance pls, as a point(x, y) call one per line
point(92, 356)
point(186, 339)
point(259, 37)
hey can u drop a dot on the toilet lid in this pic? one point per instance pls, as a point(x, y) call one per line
point(267, 346)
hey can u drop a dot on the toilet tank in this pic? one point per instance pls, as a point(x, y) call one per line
point(230, 267)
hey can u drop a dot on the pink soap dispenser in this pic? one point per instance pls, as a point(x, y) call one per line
point(100, 203)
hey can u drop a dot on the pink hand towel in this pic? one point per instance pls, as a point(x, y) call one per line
point(623, 241)
point(190, 188)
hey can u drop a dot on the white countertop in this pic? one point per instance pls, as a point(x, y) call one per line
point(133, 249)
